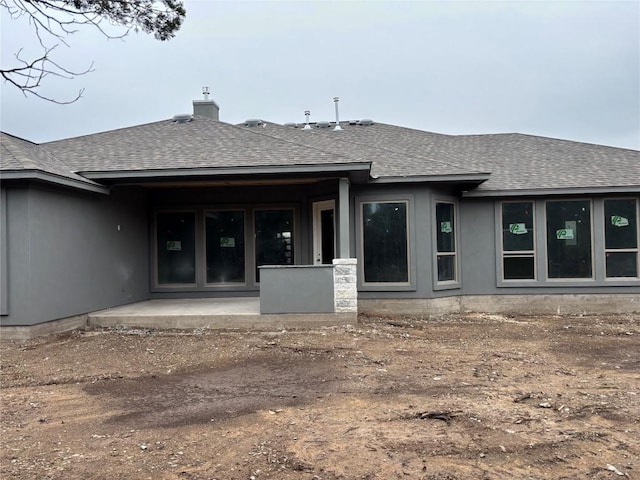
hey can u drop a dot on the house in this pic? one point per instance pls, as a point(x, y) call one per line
point(416, 222)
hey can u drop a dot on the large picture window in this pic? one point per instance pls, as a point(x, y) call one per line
point(621, 237)
point(446, 242)
point(385, 242)
point(225, 246)
point(176, 247)
point(518, 245)
point(569, 239)
point(274, 238)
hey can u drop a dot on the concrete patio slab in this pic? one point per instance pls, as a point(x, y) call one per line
point(210, 313)
point(183, 313)
point(185, 306)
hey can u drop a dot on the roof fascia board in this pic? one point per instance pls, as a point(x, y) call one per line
point(226, 171)
point(478, 177)
point(552, 191)
point(55, 179)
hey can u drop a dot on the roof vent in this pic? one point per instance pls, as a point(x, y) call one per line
point(365, 122)
point(252, 122)
point(338, 127)
point(291, 125)
point(182, 118)
point(323, 124)
point(306, 125)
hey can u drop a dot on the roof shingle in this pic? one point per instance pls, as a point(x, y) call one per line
point(516, 162)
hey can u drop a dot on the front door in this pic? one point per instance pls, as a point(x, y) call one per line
point(324, 238)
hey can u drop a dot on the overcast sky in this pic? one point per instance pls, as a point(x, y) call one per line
point(559, 69)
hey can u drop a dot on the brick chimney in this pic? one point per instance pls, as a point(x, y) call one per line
point(206, 108)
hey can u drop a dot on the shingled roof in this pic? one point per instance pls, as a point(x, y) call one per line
point(518, 163)
point(199, 143)
point(500, 164)
point(21, 159)
point(391, 156)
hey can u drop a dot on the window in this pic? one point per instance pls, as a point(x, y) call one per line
point(621, 238)
point(225, 246)
point(385, 242)
point(176, 247)
point(274, 238)
point(518, 248)
point(569, 239)
point(446, 242)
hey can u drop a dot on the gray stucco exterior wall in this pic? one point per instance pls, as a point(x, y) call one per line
point(477, 247)
point(73, 253)
point(4, 303)
point(480, 254)
point(297, 289)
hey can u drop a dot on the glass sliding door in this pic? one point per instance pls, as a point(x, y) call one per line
point(224, 246)
point(274, 238)
point(176, 248)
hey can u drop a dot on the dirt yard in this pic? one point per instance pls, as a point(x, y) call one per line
point(473, 397)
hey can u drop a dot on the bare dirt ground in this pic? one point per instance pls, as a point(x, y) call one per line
point(461, 397)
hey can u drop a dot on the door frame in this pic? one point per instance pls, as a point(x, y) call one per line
point(318, 208)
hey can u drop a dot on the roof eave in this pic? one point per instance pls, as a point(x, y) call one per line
point(465, 178)
point(45, 177)
point(532, 192)
point(353, 169)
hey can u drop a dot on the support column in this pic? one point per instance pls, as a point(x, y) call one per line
point(345, 285)
point(344, 241)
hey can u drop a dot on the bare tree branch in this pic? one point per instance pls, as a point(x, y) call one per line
point(53, 21)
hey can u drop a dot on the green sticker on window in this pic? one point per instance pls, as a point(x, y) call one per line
point(174, 245)
point(445, 227)
point(618, 221)
point(518, 228)
point(227, 242)
point(564, 234)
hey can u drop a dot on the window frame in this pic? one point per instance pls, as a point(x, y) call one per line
point(598, 278)
point(635, 250)
point(445, 284)
point(408, 200)
point(517, 253)
point(592, 242)
point(156, 270)
point(295, 244)
point(246, 213)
